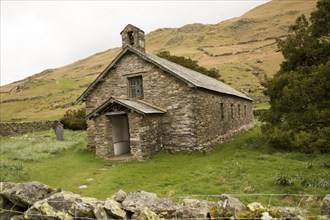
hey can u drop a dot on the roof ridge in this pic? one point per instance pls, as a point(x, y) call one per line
point(189, 76)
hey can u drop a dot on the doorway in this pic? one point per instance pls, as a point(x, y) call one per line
point(120, 134)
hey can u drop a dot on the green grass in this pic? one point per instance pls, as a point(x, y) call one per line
point(263, 105)
point(244, 165)
point(18, 153)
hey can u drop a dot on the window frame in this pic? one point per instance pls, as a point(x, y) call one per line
point(135, 87)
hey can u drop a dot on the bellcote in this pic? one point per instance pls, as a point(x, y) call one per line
point(133, 37)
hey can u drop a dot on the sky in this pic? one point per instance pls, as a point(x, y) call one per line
point(39, 35)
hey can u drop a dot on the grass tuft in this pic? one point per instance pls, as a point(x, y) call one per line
point(283, 180)
point(12, 171)
point(318, 183)
point(326, 164)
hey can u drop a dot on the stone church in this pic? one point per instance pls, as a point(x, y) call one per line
point(142, 104)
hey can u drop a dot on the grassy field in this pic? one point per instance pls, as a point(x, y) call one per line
point(244, 165)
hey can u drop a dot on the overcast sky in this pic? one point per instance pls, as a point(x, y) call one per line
point(39, 35)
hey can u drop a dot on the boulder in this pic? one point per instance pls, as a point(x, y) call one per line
point(86, 206)
point(229, 206)
point(7, 209)
point(325, 206)
point(136, 201)
point(164, 207)
point(266, 216)
point(3, 201)
point(7, 185)
point(17, 217)
point(65, 205)
point(288, 212)
point(254, 206)
point(183, 212)
point(145, 214)
point(119, 196)
point(10, 211)
point(25, 194)
point(193, 208)
point(113, 208)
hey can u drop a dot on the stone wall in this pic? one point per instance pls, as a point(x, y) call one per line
point(214, 123)
point(19, 128)
point(146, 135)
point(102, 137)
point(34, 200)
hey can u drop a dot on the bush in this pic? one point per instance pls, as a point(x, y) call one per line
point(74, 119)
point(284, 180)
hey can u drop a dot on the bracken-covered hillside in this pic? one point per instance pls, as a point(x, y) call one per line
point(243, 49)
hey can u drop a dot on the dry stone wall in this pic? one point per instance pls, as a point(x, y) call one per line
point(19, 128)
point(34, 200)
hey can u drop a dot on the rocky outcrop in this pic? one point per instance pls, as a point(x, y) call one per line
point(34, 200)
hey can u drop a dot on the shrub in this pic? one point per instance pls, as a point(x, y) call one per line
point(318, 183)
point(284, 180)
point(74, 119)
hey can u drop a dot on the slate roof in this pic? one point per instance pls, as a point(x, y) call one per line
point(135, 105)
point(191, 77)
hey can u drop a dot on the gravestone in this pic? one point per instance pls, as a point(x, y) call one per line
point(58, 129)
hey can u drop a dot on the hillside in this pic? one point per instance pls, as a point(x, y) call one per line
point(243, 49)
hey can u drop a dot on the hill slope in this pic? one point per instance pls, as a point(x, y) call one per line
point(243, 49)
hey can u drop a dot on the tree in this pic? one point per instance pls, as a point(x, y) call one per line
point(189, 63)
point(299, 117)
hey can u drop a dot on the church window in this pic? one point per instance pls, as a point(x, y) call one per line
point(135, 87)
point(222, 110)
point(239, 110)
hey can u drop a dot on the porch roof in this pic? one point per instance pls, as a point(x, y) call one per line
point(111, 105)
